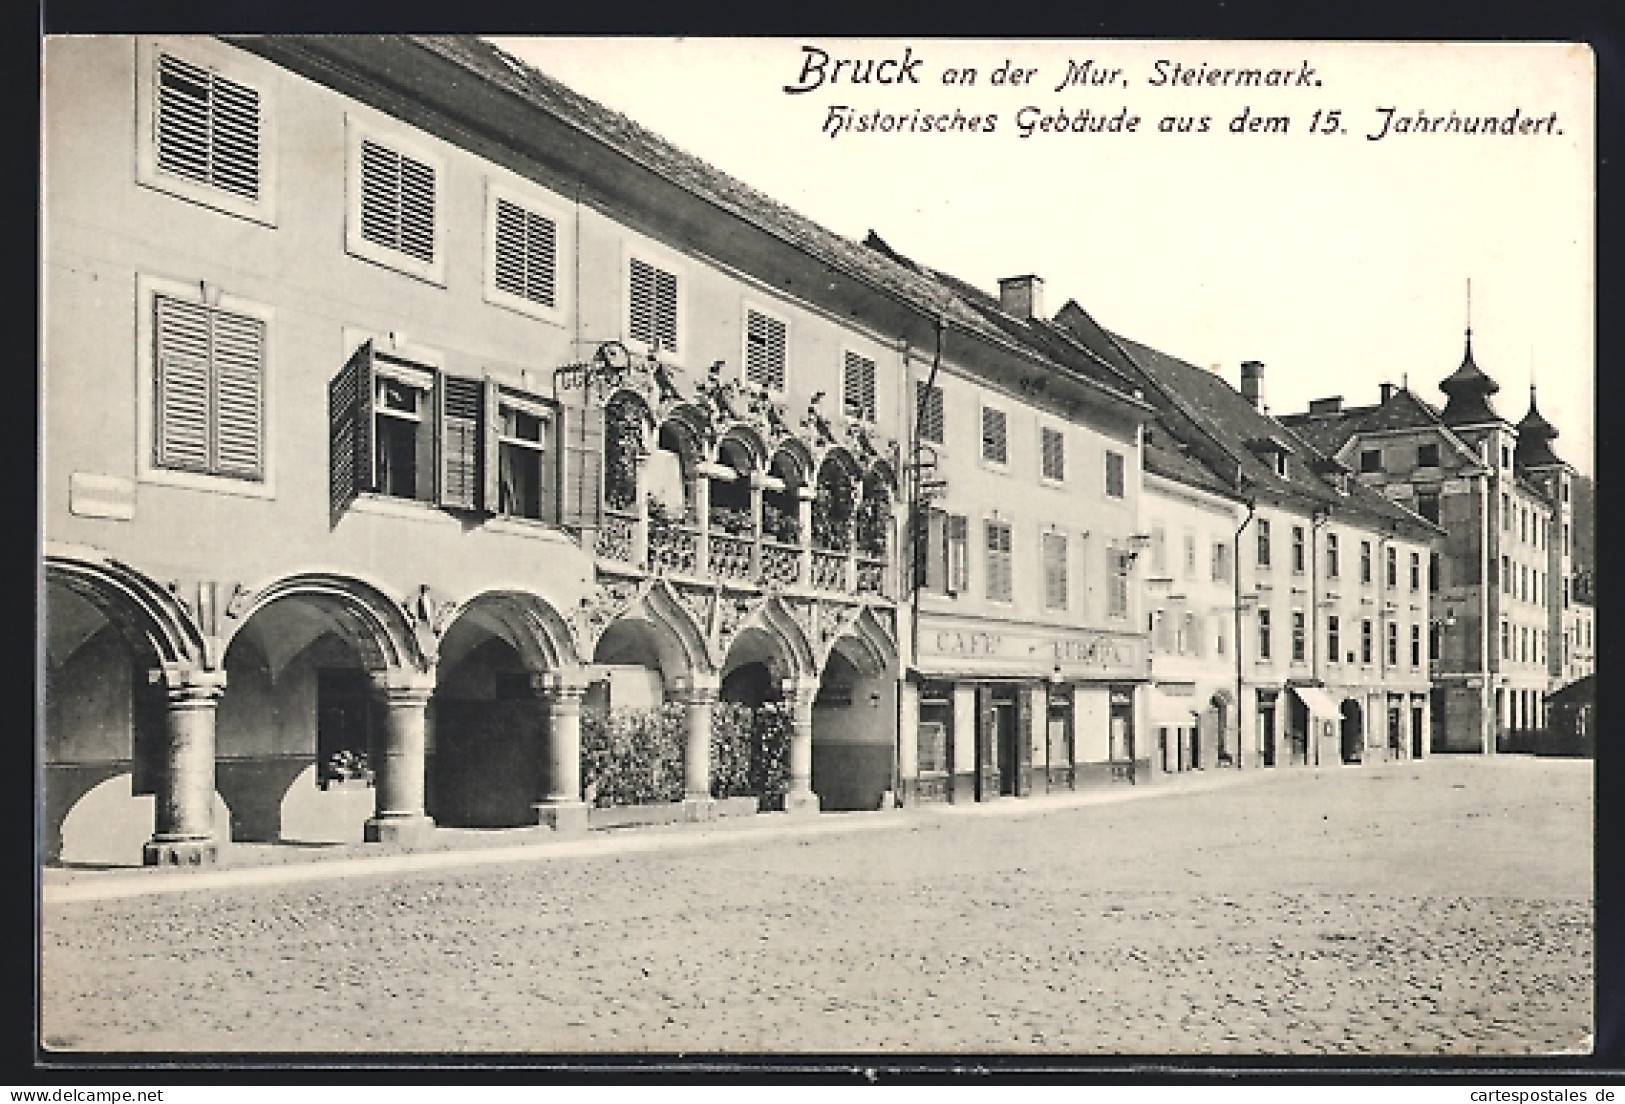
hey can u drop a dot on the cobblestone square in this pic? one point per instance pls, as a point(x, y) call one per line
point(1439, 907)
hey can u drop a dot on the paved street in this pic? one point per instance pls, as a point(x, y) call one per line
point(1440, 907)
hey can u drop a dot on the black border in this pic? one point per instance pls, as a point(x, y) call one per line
point(1598, 23)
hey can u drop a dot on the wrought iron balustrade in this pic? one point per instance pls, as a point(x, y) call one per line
point(829, 570)
point(781, 563)
point(617, 536)
point(729, 557)
point(675, 549)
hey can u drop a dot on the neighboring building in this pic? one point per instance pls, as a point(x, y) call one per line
point(1505, 588)
point(1026, 668)
point(1327, 612)
point(399, 405)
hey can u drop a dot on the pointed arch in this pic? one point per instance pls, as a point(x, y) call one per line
point(866, 642)
point(661, 619)
point(794, 452)
point(770, 632)
point(748, 439)
point(526, 621)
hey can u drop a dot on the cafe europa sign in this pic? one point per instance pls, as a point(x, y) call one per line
point(1031, 652)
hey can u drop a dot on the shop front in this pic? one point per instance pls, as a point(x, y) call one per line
point(1011, 710)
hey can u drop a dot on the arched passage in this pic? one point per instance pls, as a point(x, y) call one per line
point(492, 722)
point(108, 630)
point(854, 718)
point(301, 724)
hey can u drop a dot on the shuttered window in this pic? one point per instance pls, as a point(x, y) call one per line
point(766, 350)
point(209, 390)
point(995, 438)
point(526, 247)
point(858, 387)
point(1000, 568)
point(958, 553)
point(1159, 552)
point(1055, 581)
point(928, 408)
point(208, 128)
point(1114, 474)
point(1221, 562)
point(462, 419)
point(1052, 453)
point(1117, 566)
point(397, 201)
point(652, 307)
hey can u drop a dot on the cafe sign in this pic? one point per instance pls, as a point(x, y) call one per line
point(1078, 653)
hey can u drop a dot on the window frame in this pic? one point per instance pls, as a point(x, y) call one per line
point(1264, 543)
point(747, 308)
point(234, 66)
point(536, 202)
point(1432, 449)
point(1334, 638)
point(1048, 539)
point(664, 260)
point(1300, 556)
point(1122, 475)
point(1006, 557)
point(1300, 643)
point(148, 288)
point(397, 138)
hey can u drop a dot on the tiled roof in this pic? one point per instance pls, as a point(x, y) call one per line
point(1330, 432)
point(643, 146)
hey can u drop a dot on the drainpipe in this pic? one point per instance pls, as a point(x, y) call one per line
point(1241, 738)
point(1320, 517)
point(916, 527)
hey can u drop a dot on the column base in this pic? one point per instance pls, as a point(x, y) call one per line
point(801, 804)
point(566, 818)
point(190, 851)
point(409, 828)
point(699, 809)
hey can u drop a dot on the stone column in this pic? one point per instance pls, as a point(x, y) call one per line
point(799, 695)
point(561, 808)
point(698, 693)
point(805, 494)
point(702, 521)
point(183, 813)
point(399, 816)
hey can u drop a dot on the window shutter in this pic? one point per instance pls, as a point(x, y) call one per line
point(397, 201)
point(580, 488)
point(182, 399)
point(490, 449)
point(765, 350)
point(958, 553)
point(1055, 581)
point(350, 453)
point(526, 259)
point(462, 410)
point(1053, 446)
point(994, 436)
point(652, 307)
point(858, 387)
point(208, 128)
point(928, 408)
point(933, 552)
point(239, 366)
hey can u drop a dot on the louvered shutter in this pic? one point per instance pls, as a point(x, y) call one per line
point(934, 552)
point(858, 387)
point(182, 401)
point(397, 201)
point(462, 416)
point(238, 348)
point(652, 306)
point(765, 340)
point(582, 478)
point(526, 253)
point(928, 411)
point(994, 443)
point(208, 128)
point(491, 452)
point(1053, 446)
point(958, 553)
point(1055, 580)
point(349, 412)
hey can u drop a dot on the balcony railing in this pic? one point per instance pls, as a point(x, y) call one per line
point(729, 557)
point(871, 576)
point(617, 538)
point(676, 549)
point(781, 563)
point(829, 570)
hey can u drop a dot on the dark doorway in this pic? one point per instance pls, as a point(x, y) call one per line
point(1058, 767)
point(1122, 749)
point(343, 724)
point(997, 752)
point(1266, 726)
point(1416, 731)
point(1393, 729)
point(1353, 731)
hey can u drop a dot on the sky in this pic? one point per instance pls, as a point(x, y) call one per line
point(1336, 252)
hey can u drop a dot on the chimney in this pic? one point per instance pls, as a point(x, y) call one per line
point(1022, 296)
point(1332, 405)
point(1252, 382)
point(1387, 391)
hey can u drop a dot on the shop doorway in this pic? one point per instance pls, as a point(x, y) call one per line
point(1266, 727)
point(1353, 731)
point(998, 748)
point(1417, 720)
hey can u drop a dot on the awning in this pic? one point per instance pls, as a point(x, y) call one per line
point(1318, 701)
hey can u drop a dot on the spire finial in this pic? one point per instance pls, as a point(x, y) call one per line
point(1469, 306)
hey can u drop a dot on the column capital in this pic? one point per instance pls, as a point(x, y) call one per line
point(560, 684)
point(694, 688)
point(188, 686)
point(800, 691)
point(402, 687)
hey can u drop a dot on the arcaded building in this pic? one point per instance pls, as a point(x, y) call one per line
point(413, 426)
